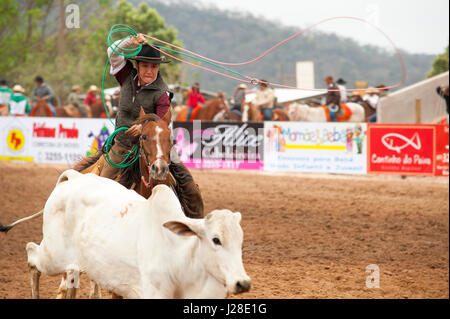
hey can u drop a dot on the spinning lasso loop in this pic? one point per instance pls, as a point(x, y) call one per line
point(251, 80)
point(133, 154)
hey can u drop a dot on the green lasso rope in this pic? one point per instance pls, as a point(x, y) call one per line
point(108, 143)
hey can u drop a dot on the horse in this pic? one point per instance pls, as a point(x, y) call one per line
point(41, 108)
point(250, 113)
point(305, 113)
point(213, 110)
point(368, 110)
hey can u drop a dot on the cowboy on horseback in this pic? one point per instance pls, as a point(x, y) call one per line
point(333, 98)
point(45, 92)
point(142, 85)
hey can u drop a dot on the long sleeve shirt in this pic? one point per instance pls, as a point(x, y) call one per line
point(193, 98)
point(43, 91)
point(264, 98)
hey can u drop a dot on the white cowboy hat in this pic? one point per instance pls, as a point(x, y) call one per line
point(92, 88)
point(372, 90)
point(242, 86)
point(18, 88)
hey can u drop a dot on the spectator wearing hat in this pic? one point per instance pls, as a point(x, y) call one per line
point(74, 99)
point(341, 85)
point(43, 91)
point(265, 100)
point(238, 98)
point(91, 96)
point(333, 98)
point(5, 95)
point(142, 85)
point(372, 98)
point(18, 104)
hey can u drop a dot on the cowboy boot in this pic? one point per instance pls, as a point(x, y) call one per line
point(188, 191)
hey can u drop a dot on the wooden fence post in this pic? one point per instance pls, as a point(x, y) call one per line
point(418, 109)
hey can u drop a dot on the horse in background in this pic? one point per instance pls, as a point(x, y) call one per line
point(250, 113)
point(213, 110)
point(97, 110)
point(353, 112)
point(368, 110)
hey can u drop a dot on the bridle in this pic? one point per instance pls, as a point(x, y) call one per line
point(149, 184)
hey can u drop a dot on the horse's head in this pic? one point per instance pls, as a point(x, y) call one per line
point(155, 145)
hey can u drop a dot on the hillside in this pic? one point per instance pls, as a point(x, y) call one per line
point(235, 37)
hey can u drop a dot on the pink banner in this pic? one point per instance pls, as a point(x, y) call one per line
point(222, 164)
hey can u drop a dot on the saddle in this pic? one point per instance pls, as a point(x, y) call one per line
point(184, 112)
point(343, 115)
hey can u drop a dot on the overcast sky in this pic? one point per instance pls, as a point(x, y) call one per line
point(417, 26)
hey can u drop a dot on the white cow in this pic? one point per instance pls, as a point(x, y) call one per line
point(305, 113)
point(134, 247)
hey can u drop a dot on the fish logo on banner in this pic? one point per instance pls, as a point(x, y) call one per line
point(397, 142)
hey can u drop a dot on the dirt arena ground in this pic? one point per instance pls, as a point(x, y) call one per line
point(305, 236)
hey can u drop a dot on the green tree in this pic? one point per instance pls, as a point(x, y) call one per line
point(34, 41)
point(439, 65)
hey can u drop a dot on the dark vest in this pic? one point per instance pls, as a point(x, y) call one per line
point(130, 103)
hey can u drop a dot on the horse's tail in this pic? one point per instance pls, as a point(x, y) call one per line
point(5, 229)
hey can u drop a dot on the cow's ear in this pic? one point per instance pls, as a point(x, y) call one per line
point(180, 228)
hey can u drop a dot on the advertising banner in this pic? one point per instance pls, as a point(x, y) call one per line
point(315, 147)
point(442, 152)
point(220, 145)
point(51, 140)
point(401, 149)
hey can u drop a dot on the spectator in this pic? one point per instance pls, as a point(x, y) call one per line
point(5, 95)
point(193, 97)
point(341, 85)
point(18, 104)
point(43, 91)
point(333, 98)
point(443, 91)
point(91, 96)
point(238, 98)
point(382, 91)
point(74, 99)
point(264, 100)
point(115, 102)
point(372, 98)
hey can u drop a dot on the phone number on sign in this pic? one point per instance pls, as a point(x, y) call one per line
point(60, 157)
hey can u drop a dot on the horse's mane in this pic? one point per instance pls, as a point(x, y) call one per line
point(147, 118)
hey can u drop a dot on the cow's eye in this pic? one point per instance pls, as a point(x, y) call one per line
point(216, 241)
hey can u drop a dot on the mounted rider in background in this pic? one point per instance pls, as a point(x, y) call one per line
point(44, 91)
point(333, 98)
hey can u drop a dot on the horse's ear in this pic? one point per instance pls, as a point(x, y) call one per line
point(168, 117)
point(141, 112)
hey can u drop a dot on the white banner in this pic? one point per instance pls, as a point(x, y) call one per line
point(315, 147)
point(51, 140)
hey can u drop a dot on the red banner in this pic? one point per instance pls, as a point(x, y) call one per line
point(441, 161)
point(402, 149)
